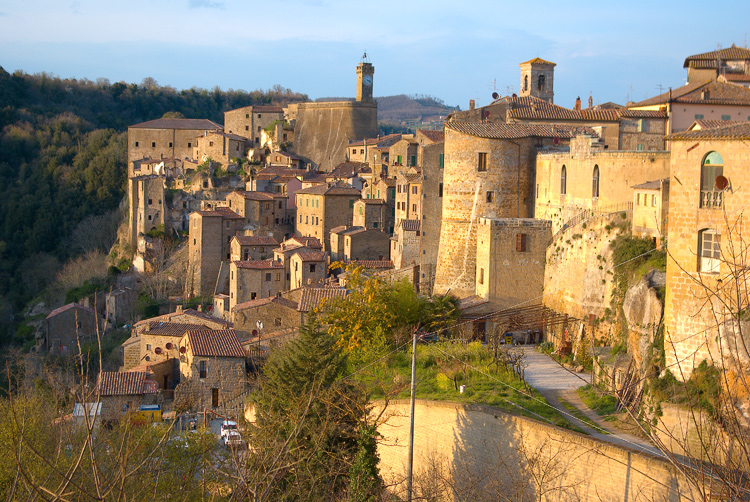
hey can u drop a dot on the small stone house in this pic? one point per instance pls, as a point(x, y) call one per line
point(405, 243)
point(650, 204)
point(125, 391)
point(265, 315)
point(366, 244)
point(252, 247)
point(212, 369)
point(69, 324)
point(308, 268)
point(251, 280)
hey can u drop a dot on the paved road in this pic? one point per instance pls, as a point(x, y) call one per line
point(554, 381)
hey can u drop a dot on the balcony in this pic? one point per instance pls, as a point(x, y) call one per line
point(711, 199)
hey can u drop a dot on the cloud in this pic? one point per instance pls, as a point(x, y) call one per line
point(206, 4)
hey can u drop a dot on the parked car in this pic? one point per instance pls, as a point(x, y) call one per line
point(230, 435)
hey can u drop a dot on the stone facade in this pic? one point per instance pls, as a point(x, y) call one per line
point(67, 325)
point(432, 212)
point(209, 246)
point(274, 314)
point(250, 121)
point(251, 280)
point(405, 244)
point(266, 213)
point(371, 213)
point(650, 204)
point(537, 79)
point(220, 147)
point(147, 208)
point(252, 247)
point(366, 244)
point(511, 256)
point(322, 208)
point(409, 196)
point(307, 268)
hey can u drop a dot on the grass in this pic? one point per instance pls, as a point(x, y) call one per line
point(439, 373)
point(580, 416)
point(603, 404)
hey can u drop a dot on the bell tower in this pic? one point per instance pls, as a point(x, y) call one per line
point(537, 79)
point(365, 71)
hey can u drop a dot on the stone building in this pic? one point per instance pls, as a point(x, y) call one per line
point(366, 244)
point(586, 177)
point(403, 153)
point(212, 369)
point(265, 315)
point(147, 207)
point(511, 256)
point(250, 280)
point(728, 63)
point(650, 205)
point(405, 243)
point(69, 324)
point(489, 171)
point(432, 163)
point(265, 212)
point(209, 245)
point(307, 268)
point(323, 130)
point(409, 196)
point(373, 151)
point(252, 247)
point(220, 147)
point(284, 160)
point(537, 79)
point(170, 138)
point(286, 249)
point(372, 213)
point(336, 237)
point(121, 392)
point(704, 234)
point(250, 121)
point(323, 207)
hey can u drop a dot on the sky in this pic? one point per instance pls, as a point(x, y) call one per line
point(453, 50)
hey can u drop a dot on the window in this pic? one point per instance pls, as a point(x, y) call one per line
point(247, 115)
point(149, 202)
point(253, 295)
point(482, 161)
point(726, 117)
point(521, 242)
point(258, 128)
point(525, 83)
point(257, 140)
point(653, 200)
point(203, 368)
point(414, 208)
point(641, 125)
point(259, 115)
point(537, 190)
point(481, 276)
point(563, 181)
point(595, 183)
point(148, 346)
point(351, 204)
point(399, 188)
point(413, 160)
point(312, 268)
point(441, 161)
point(277, 321)
point(490, 196)
point(136, 144)
point(711, 168)
point(278, 276)
point(268, 277)
point(247, 128)
point(153, 144)
point(637, 199)
point(698, 116)
point(210, 143)
point(170, 144)
point(540, 83)
point(709, 243)
point(440, 190)
point(215, 398)
point(414, 190)
point(362, 151)
point(639, 147)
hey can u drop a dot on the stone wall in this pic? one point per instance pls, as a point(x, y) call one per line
point(432, 213)
point(481, 453)
point(160, 143)
point(323, 130)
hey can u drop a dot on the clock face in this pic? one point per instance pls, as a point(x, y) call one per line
point(367, 80)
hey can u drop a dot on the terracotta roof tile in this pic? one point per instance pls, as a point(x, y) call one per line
point(126, 383)
point(739, 131)
point(736, 77)
point(215, 343)
point(67, 307)
point(410, 225)
point(371, 201)
point(197, 124)
point(311, 255)
point(709, 93)
point(338, 188)
point(652, 185)
point(258, 264)
point(434, 136)
point(171, 328)
point(645, 114)
point(198, 316)
point(370, 263)
point(537, 61)
point(256, 240)
point(710, 124)
point(379, 141)
point(314, 297)
point(730, 53)
point(501, 130)
point(261, 196)
point(530, 107)
point(220, 212)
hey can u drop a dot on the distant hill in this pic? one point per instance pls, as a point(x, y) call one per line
point(403, 109)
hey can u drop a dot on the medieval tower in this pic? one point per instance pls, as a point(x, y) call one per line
point(365, 72)
point(537, 79)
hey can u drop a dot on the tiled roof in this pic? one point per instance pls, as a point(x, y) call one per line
point(258, 264)
point(730, 53)
point(349, 169)
point(379, 141)
point(310, 255)
point(282, 171)
point(261, 196)
point(256, 240)
point(265, 301)
point(710, 124)
point(434, 136)
point(314, 297)
point(410, 225)
point(285, 154)
point(215, 343)
point(188, 312)
point(197, 124)
point(537, 61)
point(652, 185)
point(343, 229)
point(530, 107)
point(713, 93)
point(297, 242)
point(739, 131)
point(501, 130)
point(171, 328)
point(371, 263)
point(67, 307)
point(267, 109)
point(372, 201)
point(643, 114)
point(338, 188)
point(227, 135)
point(736, 77)
point(125, 383)
point(391, 182)
point(220, 212)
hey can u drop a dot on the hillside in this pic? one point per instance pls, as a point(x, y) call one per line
point(403, 109)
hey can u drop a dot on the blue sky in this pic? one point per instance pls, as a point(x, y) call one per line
point(454, 50)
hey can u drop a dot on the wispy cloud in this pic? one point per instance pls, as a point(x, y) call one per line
point(206, 4)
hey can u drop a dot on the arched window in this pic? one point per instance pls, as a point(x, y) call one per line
point(709, 246)
point(540, 83)
point(525, 83)
point(595, 183)
point(711, 168)
point(563, 181)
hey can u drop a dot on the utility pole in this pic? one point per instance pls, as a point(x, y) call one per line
point(409, 478)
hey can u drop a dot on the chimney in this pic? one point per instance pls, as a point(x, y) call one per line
point(199, 308)
point(577, 107)
point(472, 105)
point(178, 309)
point(591, 101)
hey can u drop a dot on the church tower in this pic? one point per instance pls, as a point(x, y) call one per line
point(365, 71)
point(537, 79)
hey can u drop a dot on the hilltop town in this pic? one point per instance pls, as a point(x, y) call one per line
point(525, 212)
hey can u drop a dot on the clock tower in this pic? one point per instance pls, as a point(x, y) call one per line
point(365, 70)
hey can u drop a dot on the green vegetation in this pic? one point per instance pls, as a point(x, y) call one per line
point(603, 404)
point(580, 416)
point(702, 390)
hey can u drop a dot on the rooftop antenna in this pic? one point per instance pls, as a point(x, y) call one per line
point(493, 85)
point(365, 59)
point(660, 87)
